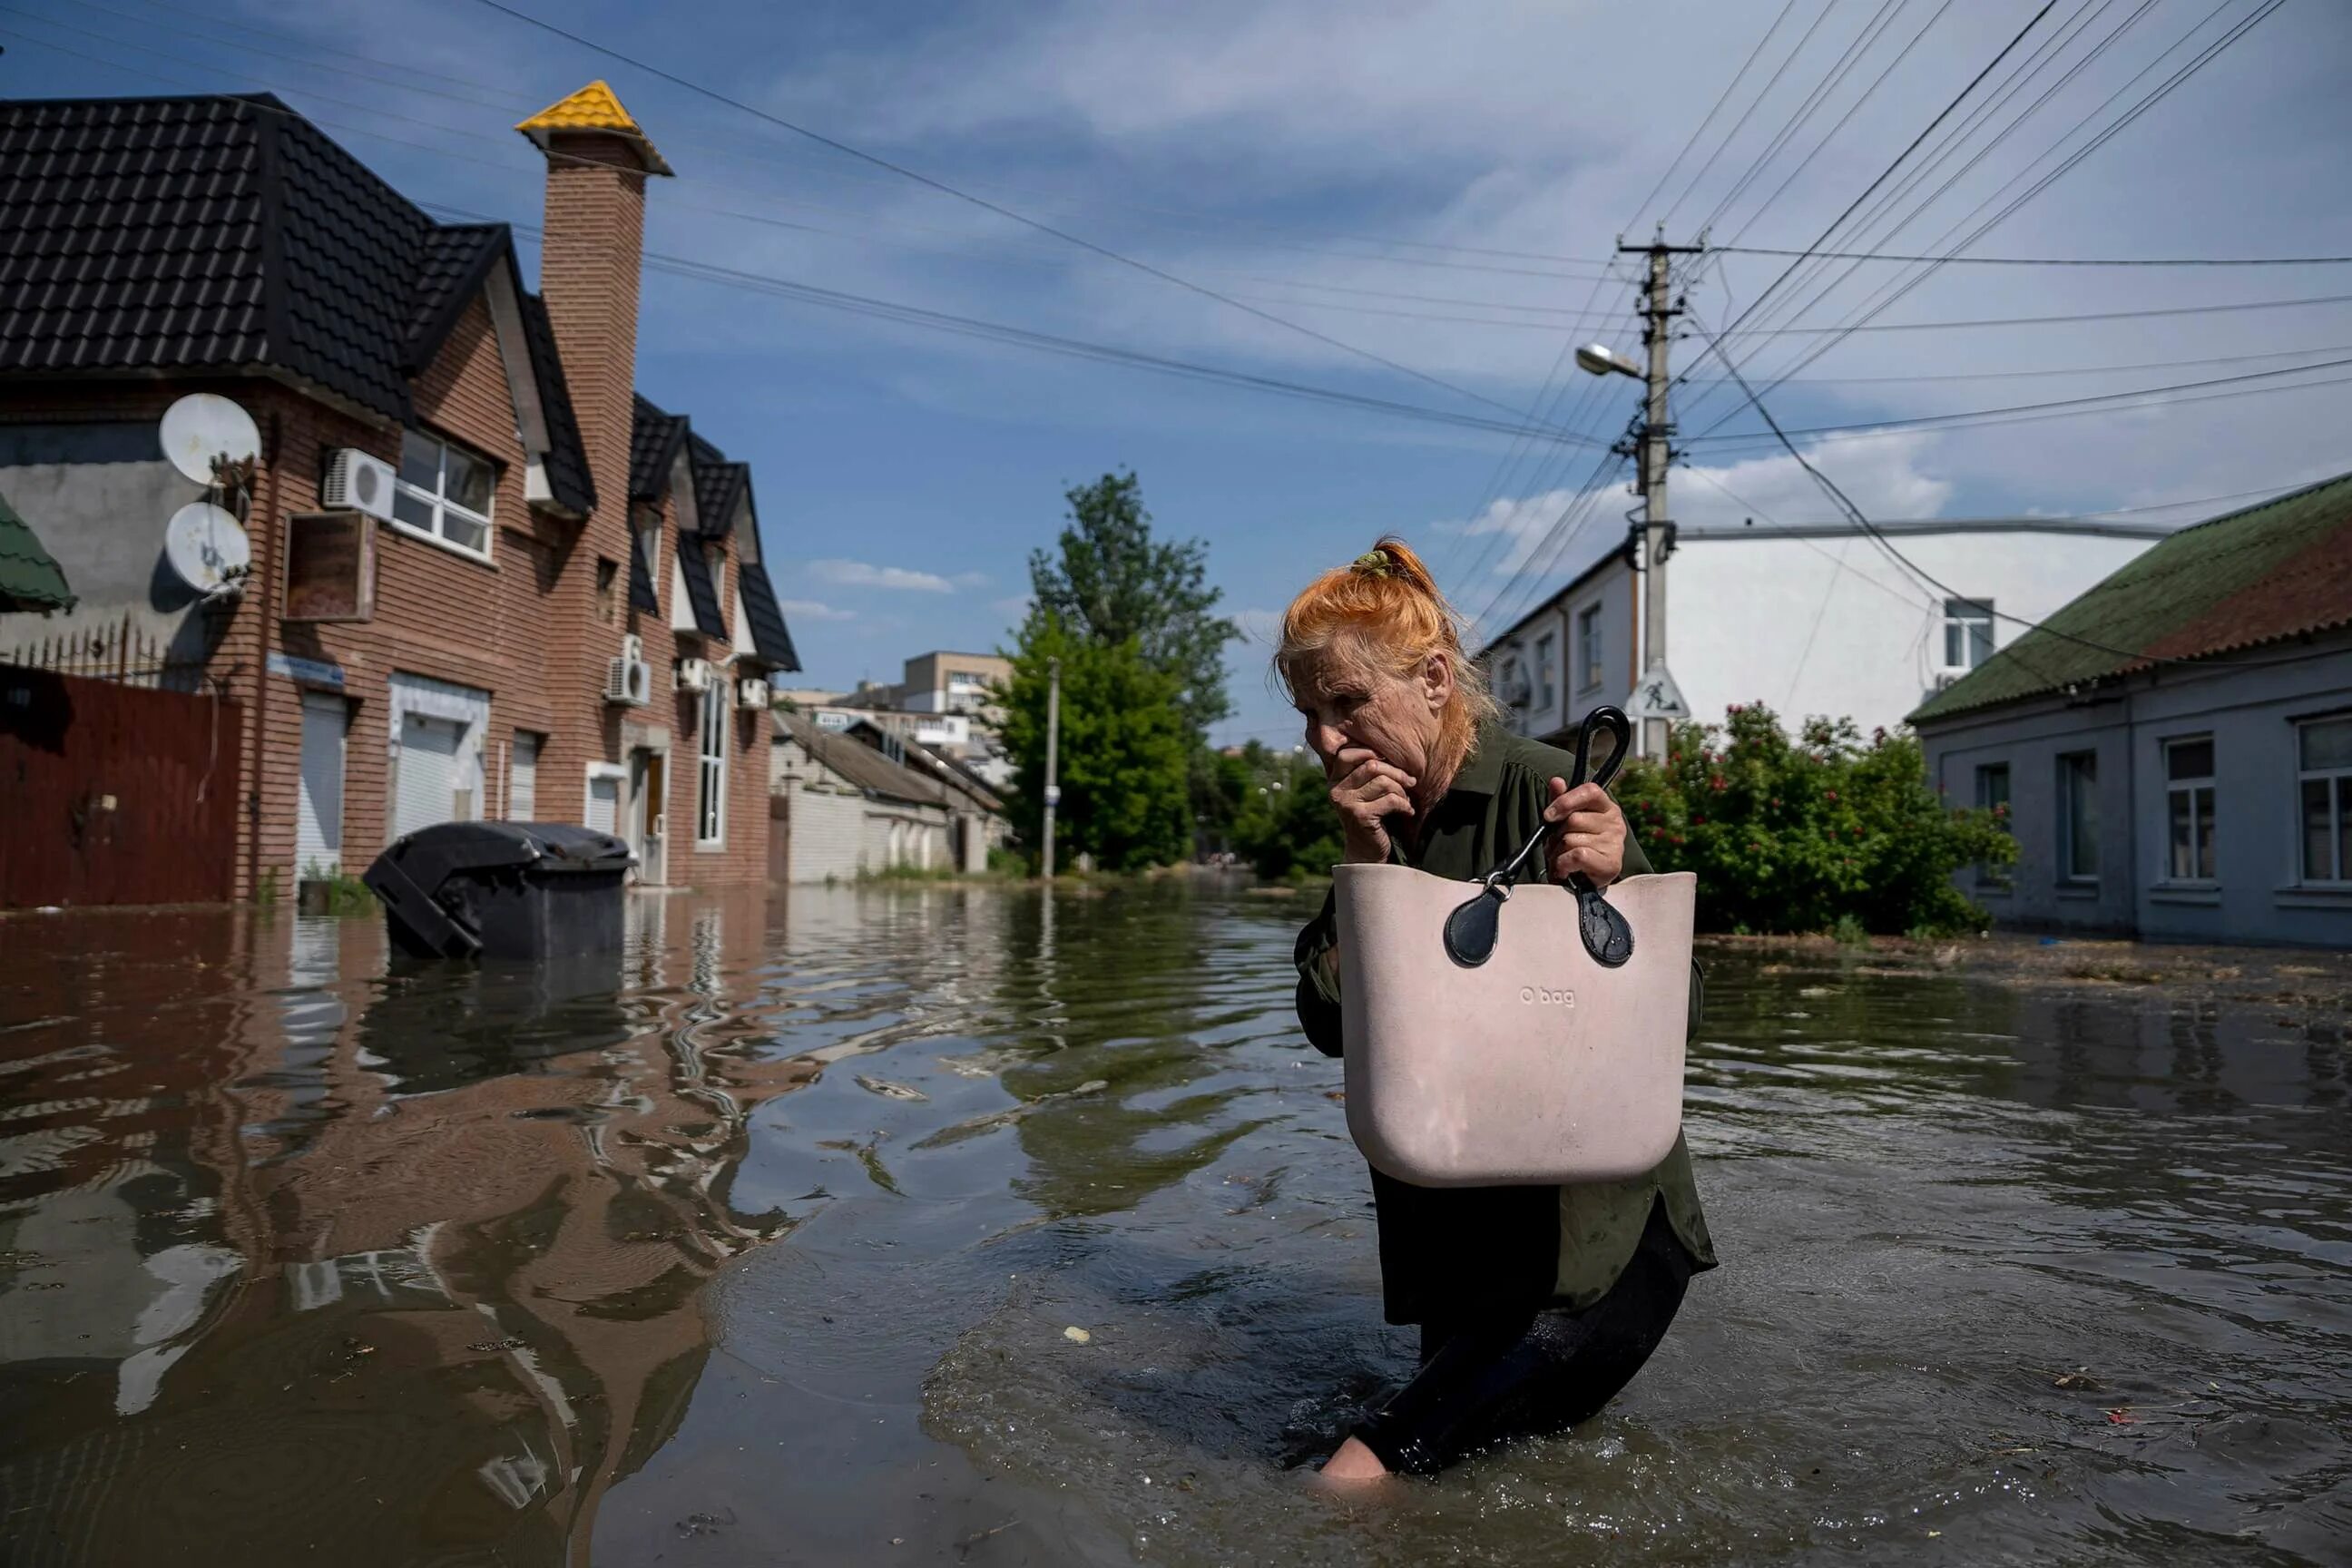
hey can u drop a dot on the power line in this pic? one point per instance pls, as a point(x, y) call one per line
point(971, 326)
point(2045, 321)
point(1941, 115)
point(985, 205)
point(2112, 128)
point(1855, 514)
point(1720, 99)
point(1753, 105)
point(2118, 399)
point(2050, 260)
point(1871, 33)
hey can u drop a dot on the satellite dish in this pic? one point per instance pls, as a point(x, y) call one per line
point(203, 426)
point(206, 547)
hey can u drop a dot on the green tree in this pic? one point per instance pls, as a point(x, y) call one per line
point(1112, 582)
point(1285, 826)
point(1796, 834)
point(1124, 747)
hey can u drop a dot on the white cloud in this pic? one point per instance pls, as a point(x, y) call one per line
point(864, 574)
point(811, 610)
point(972, 579)
point(1013, 607)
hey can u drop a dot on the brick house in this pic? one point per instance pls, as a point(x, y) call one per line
point(547, 526)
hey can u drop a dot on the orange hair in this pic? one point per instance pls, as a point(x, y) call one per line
point(1384, 608)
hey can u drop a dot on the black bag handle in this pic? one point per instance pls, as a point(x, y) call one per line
point(1471, 930)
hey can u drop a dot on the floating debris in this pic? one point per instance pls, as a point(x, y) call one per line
point(889, 1090)
point(1075, 1335)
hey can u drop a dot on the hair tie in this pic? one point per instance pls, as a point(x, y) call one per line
point(1373, 563)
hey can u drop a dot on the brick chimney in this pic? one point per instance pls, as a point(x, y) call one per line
point(597, 160)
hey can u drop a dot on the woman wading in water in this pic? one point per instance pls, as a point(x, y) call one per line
point(1536, 1304)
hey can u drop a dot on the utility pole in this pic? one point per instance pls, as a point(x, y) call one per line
point(1657, 529)
point(1053, 756)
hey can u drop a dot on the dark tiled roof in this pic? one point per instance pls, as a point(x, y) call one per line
point(132, 234)
point(771, 640)
point(2267, 572)
point(30, 578)
point(700, 592)
point(224, 234)
point(641, 577)
point(654, 438)
point(718, 486)
point(568, 478)
point(451, 266)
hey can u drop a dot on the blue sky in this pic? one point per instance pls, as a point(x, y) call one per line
point(1437, 185)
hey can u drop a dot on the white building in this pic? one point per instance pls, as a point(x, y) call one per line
point(1807, 619)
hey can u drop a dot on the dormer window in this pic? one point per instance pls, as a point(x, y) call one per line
point(443, 493)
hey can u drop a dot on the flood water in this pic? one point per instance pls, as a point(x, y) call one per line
point(764, 1250)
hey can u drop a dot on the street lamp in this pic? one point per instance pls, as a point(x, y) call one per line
point(1600, 358)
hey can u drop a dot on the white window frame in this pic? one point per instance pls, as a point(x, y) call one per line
point(1546, 689)
point(2201, 828)
point(1588, 645)
point(2068, 876)
point(1963, 615)
point(711, 768)
point(435, 498)
point(2339, 827)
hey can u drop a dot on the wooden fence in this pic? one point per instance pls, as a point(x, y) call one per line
point(115, 793)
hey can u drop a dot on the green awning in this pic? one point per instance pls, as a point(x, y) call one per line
point(30, 578)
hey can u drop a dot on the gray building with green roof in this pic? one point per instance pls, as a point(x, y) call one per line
point(2173, 748)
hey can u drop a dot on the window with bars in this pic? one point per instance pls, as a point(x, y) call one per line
point(2189, 795)
point(1547, 657)
point(2324, 779)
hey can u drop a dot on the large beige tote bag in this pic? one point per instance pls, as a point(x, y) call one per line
point(1497, 1035)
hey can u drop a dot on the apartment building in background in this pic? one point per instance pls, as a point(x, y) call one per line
point(486, 578)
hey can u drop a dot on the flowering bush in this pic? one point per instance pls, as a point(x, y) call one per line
point(1796, 834)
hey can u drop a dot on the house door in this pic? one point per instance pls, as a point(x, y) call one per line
point(648, 812)
point(318, 811)
point(428, 774)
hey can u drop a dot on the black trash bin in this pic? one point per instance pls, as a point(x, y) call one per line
point(502, 889)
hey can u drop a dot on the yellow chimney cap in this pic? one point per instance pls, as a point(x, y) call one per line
point(594, 108)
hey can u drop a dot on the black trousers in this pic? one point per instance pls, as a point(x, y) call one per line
point(1533, 1373)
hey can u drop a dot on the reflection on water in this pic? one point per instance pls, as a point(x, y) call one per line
point(307, 1254)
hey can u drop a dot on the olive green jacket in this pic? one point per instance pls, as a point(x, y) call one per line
point(1448, 1252)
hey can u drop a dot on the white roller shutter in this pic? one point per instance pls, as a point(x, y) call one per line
point(522, 782)
point(603, 803)
point(428, 772)
point(319, 814)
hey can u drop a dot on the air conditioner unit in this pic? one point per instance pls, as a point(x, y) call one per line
point(752, 693)
point(694, 674)
point(355, 481)
point(628, 681)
